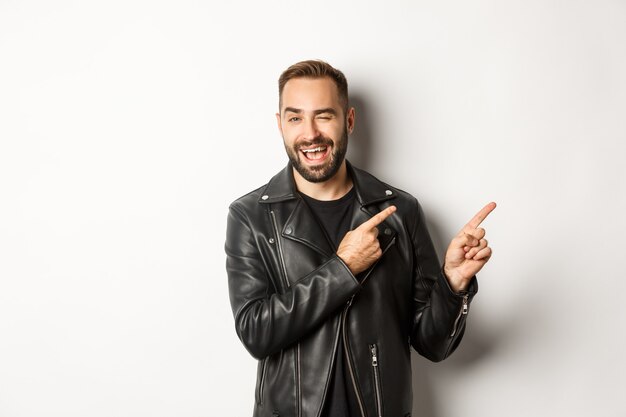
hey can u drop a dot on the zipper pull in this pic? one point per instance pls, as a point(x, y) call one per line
point(465, 306)
point(349, 303)
point(374, 355)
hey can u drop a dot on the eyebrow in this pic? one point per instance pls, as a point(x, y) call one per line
point(292, 110)
point(328, 110)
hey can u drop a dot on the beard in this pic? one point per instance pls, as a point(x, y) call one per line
point(322, 172)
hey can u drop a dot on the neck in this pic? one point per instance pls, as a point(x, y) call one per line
point(331, 189)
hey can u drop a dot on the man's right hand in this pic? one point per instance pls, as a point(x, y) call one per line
point(359, 248)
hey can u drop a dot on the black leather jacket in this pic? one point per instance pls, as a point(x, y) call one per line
point(289, 293)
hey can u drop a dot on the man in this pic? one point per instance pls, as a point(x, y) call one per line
point(332, 273)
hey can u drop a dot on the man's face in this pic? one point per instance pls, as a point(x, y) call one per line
point(315, 127)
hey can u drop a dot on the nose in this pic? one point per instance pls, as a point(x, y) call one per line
point(310, 129)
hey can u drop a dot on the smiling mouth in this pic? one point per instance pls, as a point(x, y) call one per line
point(315, 154)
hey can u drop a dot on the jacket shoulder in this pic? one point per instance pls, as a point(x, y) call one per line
point(370, 183)
point(279, 188)
point(247, 201)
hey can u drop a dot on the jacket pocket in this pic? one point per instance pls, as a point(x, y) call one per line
point(260, 379)
point(377, 389)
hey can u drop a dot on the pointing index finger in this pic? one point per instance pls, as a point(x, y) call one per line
point(378, 218)
point(480, 216)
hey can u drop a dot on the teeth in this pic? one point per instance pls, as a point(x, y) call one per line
point(318, 149)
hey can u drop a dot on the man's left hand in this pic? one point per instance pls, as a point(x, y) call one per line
point(468, 252)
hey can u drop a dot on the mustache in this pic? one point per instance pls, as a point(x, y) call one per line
point(315, 142)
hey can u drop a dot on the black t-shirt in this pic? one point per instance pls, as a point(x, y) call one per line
point(334, 216)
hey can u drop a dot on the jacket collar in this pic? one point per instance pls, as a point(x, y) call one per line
point(369, 190)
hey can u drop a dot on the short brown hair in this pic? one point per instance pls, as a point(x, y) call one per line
point(314, 68)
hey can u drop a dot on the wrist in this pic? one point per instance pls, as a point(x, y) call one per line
point(456, 282)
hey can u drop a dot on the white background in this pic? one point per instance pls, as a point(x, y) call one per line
point(127, 127)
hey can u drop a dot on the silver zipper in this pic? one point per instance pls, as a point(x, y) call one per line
point(260, 391)
point(333, 357)
point(286, 281)
point(349, 360)
point(299, 389)
point(280, 249)
point(462, 312)
point(346, 347)
point(379, 405)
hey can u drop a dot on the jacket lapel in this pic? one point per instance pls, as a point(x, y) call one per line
point(372, 195)
point(304, 228)
point(385, 232)
point(297, 224)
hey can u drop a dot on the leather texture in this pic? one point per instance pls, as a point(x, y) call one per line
point(290, 292)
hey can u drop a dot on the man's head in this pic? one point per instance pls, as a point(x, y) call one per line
point(315, 69)
point(314, 118)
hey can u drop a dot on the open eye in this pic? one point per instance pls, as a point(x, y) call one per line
point(294, 119)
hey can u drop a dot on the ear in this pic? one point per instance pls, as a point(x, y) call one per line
point(350, 119)
point(279, 122)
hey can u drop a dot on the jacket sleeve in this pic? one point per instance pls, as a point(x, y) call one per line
point(439, 313)
point(267, 321)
